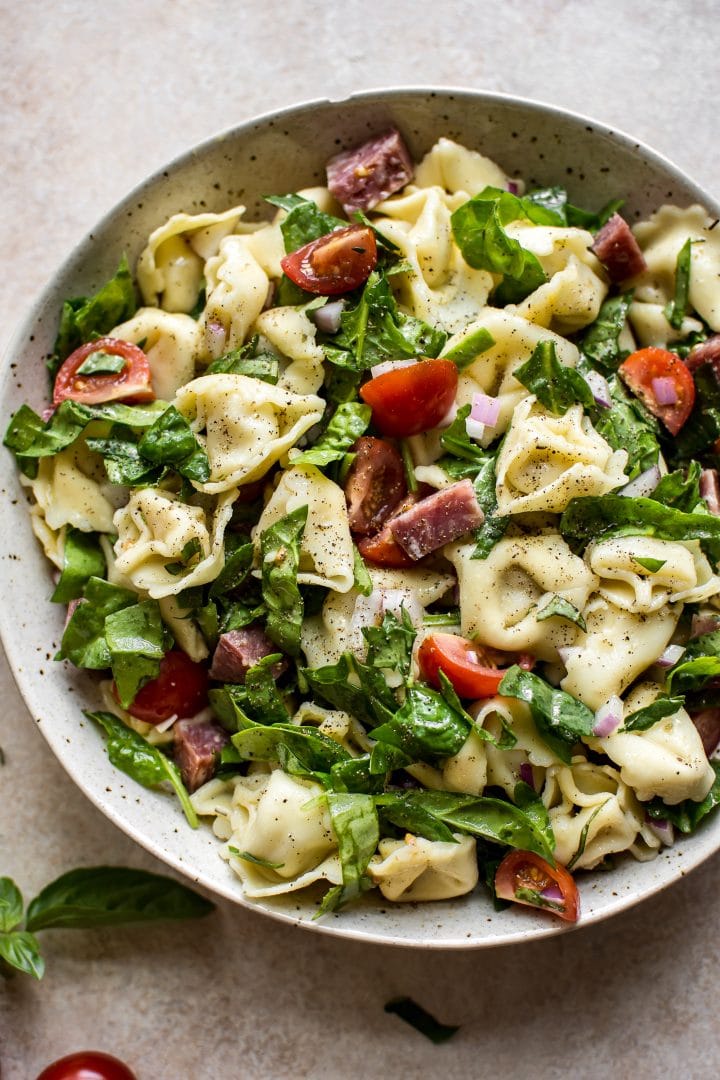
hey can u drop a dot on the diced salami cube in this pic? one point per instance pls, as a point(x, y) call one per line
point(239, 650)
point(618, 250)
point(361, 178)
point(437, 520)
point(707, 352)
point(197, 746)
point(710, 490)
point(375, 484)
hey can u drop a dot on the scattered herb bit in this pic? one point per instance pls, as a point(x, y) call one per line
point(563, 609)
point(555, 386)
point(676, 309)
point(414, 1014)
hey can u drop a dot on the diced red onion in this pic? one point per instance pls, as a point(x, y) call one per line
point(526, 774)
point(661, 828)
point(388, 365)
point(665, 390)
point(671, 656)
point(703, 624)
point(513, 187)
point(327, 318)
point(449, 416)
point(474, 428)
point(608, 717)
point(215, 335)
point(643, 485)
point(46, 414)
point(485, 409)
point(553, 892)
point(599, 388)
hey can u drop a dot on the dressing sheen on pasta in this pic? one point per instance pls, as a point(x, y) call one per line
point(411, 654)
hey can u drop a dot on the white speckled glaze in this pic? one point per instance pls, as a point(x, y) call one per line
point(276, 153)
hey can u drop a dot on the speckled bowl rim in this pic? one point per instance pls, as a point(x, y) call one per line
point(114, 795)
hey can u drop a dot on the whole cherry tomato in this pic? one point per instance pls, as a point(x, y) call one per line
point(131, 384)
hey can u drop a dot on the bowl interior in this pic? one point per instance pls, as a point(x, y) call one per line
point(282, 153)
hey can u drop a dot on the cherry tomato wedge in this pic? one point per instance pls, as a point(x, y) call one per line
point(179, 690)
point(639, 373)
point(408, 400)
point(335, 263)
point(468, 667)
point(526, 878)
point(131, 384)
point(87, 1065)
point(374, 485)
point(384, 550)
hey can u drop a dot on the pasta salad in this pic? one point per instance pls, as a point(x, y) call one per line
point(391, 527)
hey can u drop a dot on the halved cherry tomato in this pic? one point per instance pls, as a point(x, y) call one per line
point(132, 383)
point(87, 1065)
point(384, 550)
point(526, 878)
point(375, 484)
point(180, 689)
point(638, 372)
point(335, 263)
point(408, 400)
point(470, 669)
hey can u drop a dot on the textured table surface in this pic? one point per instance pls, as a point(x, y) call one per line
point(93, 98)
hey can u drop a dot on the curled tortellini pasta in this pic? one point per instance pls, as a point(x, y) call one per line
point(651, 327)
point(245, 424)
point(505, 767)
point(172, 344)
point(673, 571)
point(292, 334)
point(170, 268)
point(281, 820)
point(326, 548)
point(667, 759)
point(569, 301)
point(70, 489)
point(594, 813)
point(157, 529)
point(336, 724)
point(419, 869)
point(237, 288)
point(501, 596)
point(547, 460)
point(618, 646)
point(457, 169)
point(514, 340)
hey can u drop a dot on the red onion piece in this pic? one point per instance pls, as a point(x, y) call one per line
point(671, 656)
point(665, 390)
point(608, 717)
point(513, 187)
point(474, 428)
point(526, 774)
point(661, 828)
point(485, 409)
point(703, 624)
point(599, 388)
point(388, 365)
point(327, 318)
point(643, 485)
point(553, 892)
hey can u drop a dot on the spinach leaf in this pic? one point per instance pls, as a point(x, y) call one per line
point(247, 361)
point(588, 518)
point(304, 221)
point(458, 444)
point(681, 489)
point(101, 363)
point(390, 645)
point(354, 775)
point(112, 896)
point(300, 750)
point(644, 718)
point(555, 386)
point(699, 662)
point(82, 559)
point(651, 565)
point(123, 462)
point(361, 575)
point(11, 905)
point(332, 683)
point(144, 763)
point(479, 230)
point(279, 560)
point(376, 330)
point(414, 1014)
point(263, 695)
point(550, 206)
point(255, 859)
point(702, 427)
point(86, 318)
point(425, 727)
point(137, 640)
point(687, 815)
point(561, 720)
point(83, 641)
point(348, 423)
point(170, 441)
point(20, 950)
point(561, 608)
point(627, 425)
point(494, 526)
point(676, 309)
point(355, 824)
point(467, 350)
point(237, 566)
point(600, 341)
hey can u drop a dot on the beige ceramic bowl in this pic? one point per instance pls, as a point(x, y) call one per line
point(282, 152)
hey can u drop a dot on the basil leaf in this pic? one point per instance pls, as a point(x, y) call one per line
point(467, 350)
point(82, 559)
point(85, 318)
point(425, 727)
point(644, 718)
point(478, 227)
point(355, 824)
point(279, 560)
point(348, 423)
point(112, 896)
point(676, 309)
point(494, 526)
point(390, 645)
point(83, 641)
point(600, 341)
point(561, 720)
point(588, 518)
point(687, 815)
point(137, 640)
point(413, 1014)
point(11, 904)
point(628, 426)
point(550, 206)
point(305, 221)
point(555, 386)
point(144, 763)
point(263, 695)
point(558, 606)
point(20, 950)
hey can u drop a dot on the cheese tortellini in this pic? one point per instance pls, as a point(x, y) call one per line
point(643, 574)
point(418, 869)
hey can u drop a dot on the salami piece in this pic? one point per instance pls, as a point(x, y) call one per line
point(361, 178)
point(618, 250)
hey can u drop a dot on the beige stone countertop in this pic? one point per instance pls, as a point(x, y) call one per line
point(94, 97)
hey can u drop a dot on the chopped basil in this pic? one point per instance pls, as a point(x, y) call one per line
point(555, 386)
point(651, 565)
point(255, 859)
point(699, 662)
point(644, 718)
point(676, 309)
point(627, 425)
point(304, 221)
point(580, 849)
point(558, 606)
